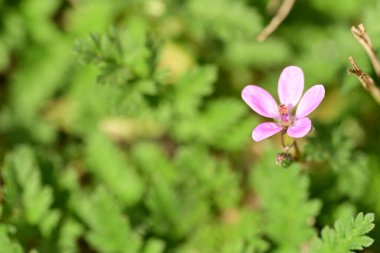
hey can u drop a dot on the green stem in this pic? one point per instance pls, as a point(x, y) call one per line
point(297, 154)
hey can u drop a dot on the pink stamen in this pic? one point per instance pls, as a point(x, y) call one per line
point(284, 115)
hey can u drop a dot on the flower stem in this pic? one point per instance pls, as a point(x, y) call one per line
point(297, 154)
point(287, 143)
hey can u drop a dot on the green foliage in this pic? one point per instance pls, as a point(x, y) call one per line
point(114, 235)
point(7, 246)
point(70, 232)
point(191, 88)
point(259, 55)
point(191, 193)
point(288, 200)
point(348, 235)
point(122, 128)
point(110, 166)
point(222, 19)
point(212, 117)
point(121, 55)
point(349, 166)
point(27, 196)
point(236, 232)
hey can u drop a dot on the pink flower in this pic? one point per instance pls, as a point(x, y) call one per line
point(290, 88)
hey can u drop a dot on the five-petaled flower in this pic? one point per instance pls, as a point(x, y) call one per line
point(290, 88)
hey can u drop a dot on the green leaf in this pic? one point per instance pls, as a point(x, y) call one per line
point(238, 231)
point(110, 166)
point(224, 123)
point(215, 176)
point(109, 228)
point(283, 197)
point(7, 245)
point(69, 234)
point(192, 88)
point(121, 54)
point(348, 234)
point(24, 190)
point(154, 246)
point(34, 82)
point(223, 19)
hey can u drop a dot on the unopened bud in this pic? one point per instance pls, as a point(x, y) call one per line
point(284, 159)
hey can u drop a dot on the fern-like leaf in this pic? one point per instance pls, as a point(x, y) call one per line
point(347, 235)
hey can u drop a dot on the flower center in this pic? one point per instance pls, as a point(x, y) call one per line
point(285, 117)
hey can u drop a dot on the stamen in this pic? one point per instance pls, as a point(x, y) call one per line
point(284, 115)
point(283, 109)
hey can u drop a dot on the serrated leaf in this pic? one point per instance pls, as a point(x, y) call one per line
point(6, 245)
point(283, 197)
point(221, 124)
point(110, 230)
point(110, 166)
point(191, 88)
point(348, 234)
point(69, 235)
point(24, 190)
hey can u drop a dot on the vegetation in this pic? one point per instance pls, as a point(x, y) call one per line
point(122, 128)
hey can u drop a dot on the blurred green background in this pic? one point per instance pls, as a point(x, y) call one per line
point(122, 128)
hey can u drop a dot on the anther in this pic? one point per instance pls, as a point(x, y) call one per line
point(283, 109)
point(284, 115)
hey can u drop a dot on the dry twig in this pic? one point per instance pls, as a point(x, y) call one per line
point(365, 80)
point(362, 37)
point(281, 14)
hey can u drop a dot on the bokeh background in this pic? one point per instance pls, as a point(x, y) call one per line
point(122, 128)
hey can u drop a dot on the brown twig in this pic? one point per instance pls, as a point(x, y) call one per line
point(365, 80)
point(362, 37)
point(281, 14)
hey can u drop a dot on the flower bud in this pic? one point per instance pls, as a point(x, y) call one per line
point(284, 159)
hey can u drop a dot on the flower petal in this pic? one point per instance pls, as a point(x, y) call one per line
point(260, 101)
point(290, 85)
point(265, 130)
point(299, 128)
point(310, 100)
